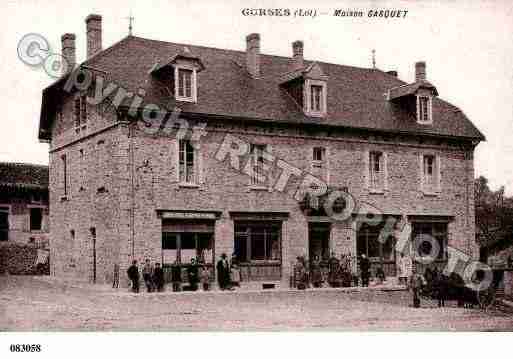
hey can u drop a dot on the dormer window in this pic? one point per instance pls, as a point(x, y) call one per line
point(185, 84)
point(424, 113)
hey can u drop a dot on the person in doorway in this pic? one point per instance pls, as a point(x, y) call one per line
point(176, 276)
point(147, 273)
point(115, 281)
point(364, 269)
point(158, 277)
point(223, 272)
point(333, 265)
point(315, 269)
point(133, 275)
point(205, 278)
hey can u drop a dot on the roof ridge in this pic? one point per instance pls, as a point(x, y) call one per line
point(243, 52)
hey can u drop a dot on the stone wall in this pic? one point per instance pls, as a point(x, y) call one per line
point(149, 182)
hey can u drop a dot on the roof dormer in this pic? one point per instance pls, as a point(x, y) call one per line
point(307, 85)
point(417, 96)
point(182, 70)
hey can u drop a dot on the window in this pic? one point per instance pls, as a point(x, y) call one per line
point(185, 84)
point(316, 98)
point(437, 231)
point(368, 243)
point(430, 174)
point(186, 162)
point(72, 235)
point(424, 109)
point(376, 170)
point(319, 154)
point(64, 175)
point(80, 113)
point(258, 241)
point(4, 223)
point(36, 219)
point(257, 161)
point(187, 245)
point(315, 94)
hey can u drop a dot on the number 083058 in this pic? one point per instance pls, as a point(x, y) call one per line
point(25, 348)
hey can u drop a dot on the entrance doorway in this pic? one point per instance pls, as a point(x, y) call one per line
point(319, 240)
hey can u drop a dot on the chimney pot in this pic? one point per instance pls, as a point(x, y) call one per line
point(297, 55)
point(94, 34)
point(68, 52)
point(420, 71)
point(253, 54)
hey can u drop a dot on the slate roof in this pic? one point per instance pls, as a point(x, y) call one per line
point(410, 89)
point(23, 175)
point(357, 97)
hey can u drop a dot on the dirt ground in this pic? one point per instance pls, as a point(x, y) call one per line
point(47, 304)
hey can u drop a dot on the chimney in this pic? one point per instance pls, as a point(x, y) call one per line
point(392, 72)
point(68, 52)
point(420, 71)
point(253, 54)
point(297, 55)
point(94, 34)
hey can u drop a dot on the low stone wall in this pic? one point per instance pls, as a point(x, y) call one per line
point(19, 259)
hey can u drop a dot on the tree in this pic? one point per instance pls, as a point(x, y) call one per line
point(494, 218)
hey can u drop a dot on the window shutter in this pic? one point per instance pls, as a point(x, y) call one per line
point(270, 173)
point(421, 171)
point(438, 174)
point(199, 156)
point(176, 160)
point(366, 173)
point(385, 171)
point(327, 164)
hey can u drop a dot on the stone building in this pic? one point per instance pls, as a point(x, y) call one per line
point(249, 163)
point(23, 203)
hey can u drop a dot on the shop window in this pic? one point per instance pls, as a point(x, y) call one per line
point(370, 244)
point(425, 232)
point(258, 242)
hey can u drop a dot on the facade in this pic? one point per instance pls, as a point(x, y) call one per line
point(23, 203)
point(267, 140)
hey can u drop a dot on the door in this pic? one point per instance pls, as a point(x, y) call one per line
point(4, 223)
point(319, 240)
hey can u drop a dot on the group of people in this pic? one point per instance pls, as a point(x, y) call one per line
point(332, 271)
point(197, 273)
point(153, 276)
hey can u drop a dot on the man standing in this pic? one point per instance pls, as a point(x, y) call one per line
point(415, 285)
point(364, 269)
point(223, 272)
point(133, 275)
point(158, 277)
point(147, 273)
point(115, 282)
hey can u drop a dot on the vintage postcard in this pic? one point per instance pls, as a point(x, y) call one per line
point(255, 166)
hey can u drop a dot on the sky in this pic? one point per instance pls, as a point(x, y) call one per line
point(467, 47)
